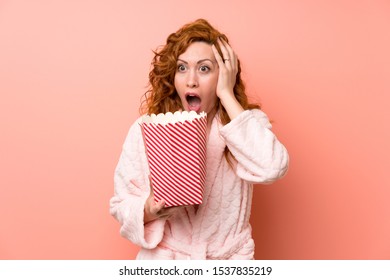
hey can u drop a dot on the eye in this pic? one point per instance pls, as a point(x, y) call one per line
point(181, 68)
point(204, 68)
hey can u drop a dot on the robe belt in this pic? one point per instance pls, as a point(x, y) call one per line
point(203, 250)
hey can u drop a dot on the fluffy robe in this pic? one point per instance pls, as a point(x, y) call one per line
point(219, 228)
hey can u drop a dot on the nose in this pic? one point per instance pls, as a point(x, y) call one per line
point(192, 79)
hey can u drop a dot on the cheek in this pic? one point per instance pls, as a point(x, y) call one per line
point(214, 81)
point(212, 85)
point(211, 98)
point(178, 85)
point(176, 82)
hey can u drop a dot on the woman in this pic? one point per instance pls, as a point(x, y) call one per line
point(198, 70)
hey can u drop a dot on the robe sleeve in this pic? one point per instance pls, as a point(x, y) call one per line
point(260, 157)
point(131, 188)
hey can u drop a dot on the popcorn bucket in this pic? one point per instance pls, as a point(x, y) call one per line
point(175, 146)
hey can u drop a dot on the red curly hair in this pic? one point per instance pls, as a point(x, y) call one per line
point(161, 96)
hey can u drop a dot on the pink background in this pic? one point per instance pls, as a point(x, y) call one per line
point(71, 77)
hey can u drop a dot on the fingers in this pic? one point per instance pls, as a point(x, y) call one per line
point(168, 212)
point(229, 57)
point(156, 210)
point(156, 207)
point(165, 213)
point(151, 208)
point(228, 69)
point(217, 56)
point(225, 49)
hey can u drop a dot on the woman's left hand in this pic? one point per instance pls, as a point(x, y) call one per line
point(228, 68)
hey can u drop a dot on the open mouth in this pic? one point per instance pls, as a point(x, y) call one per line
point(193, 101)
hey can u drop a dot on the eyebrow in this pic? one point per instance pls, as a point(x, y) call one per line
point(200, 61)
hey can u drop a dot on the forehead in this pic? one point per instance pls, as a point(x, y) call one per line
point(196, 51)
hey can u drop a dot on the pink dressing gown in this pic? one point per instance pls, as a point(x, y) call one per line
point(219, 228)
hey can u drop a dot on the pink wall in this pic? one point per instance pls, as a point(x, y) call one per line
point(72, 74)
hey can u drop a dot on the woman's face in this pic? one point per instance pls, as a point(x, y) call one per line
point(196, 78)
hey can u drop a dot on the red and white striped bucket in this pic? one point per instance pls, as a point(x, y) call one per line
point(176, 151)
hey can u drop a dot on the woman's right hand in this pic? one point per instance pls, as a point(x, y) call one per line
point(155, 210)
